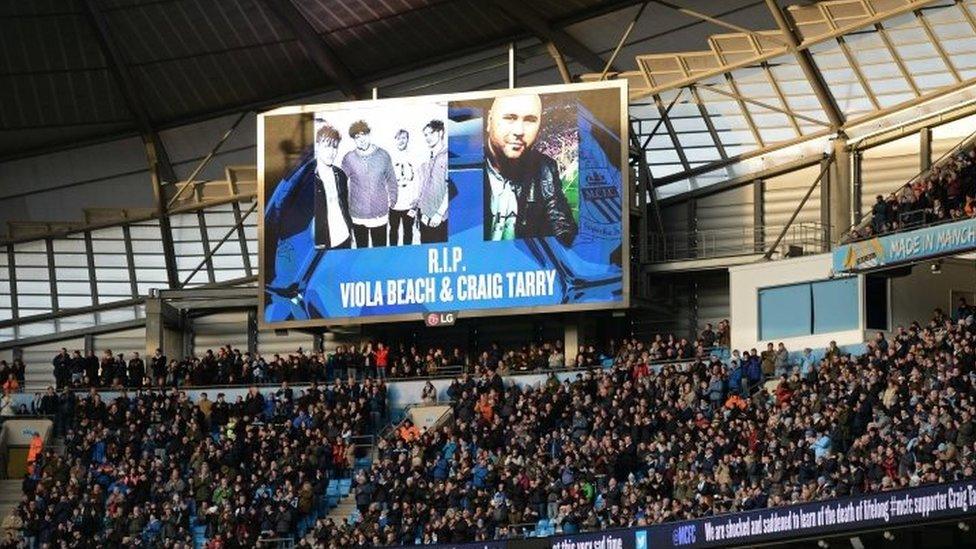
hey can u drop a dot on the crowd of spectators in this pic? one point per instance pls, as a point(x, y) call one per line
point(148, 466)
point(632, 445)
point(230, 366)
point(947, 191)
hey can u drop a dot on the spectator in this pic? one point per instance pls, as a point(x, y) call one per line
point(781, 361)
point(808, 366)
point(429, 393)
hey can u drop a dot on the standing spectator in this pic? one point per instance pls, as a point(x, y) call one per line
point(769, 360)
point(963, 310)
point(429, 393)
point(137, 371)
point(157, 365)
point(707, 337)
point(808, 366)
point(782, 360)
point(382, 359)
point(879, 215)
point(62, 368)
point(11, 385)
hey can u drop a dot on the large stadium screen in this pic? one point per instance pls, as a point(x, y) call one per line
point(475, 204)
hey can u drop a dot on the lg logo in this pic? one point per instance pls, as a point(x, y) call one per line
point(439, 319)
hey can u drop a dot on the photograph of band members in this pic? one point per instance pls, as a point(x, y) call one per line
point(403, 215)
point(372, 187)
point(332, 222)
point(432, 203)
point(523, 189)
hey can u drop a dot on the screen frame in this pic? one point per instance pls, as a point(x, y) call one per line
point(624, 303)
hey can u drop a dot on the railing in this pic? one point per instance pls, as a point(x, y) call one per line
point(908, 221)
point(275, 543)
point(712, 243)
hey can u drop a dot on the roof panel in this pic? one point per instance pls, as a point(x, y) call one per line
point(191, 58)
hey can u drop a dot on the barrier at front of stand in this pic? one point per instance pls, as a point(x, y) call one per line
point(906, 247)
point(920, 505)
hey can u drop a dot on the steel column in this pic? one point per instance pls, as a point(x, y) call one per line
point(242, 238)
point(92, 279)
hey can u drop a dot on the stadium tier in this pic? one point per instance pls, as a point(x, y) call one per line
point(599, 274)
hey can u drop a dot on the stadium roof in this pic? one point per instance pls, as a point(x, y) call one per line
point(80, 70)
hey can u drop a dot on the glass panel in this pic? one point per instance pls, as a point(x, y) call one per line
point(73, 301)
point(784, 312)
point(835, 305)
point(116, 289)
point(73, 245)
point(112, 275)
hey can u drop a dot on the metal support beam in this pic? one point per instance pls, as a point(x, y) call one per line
point(671, 132)
point(826, 206)
point(856, 67)
point(966, 14)
point(623, 40)
point(759, 214)
point(205, 242)
point(316, 48)
point(52, 274)
point(899, 62)
point(841, 192)
point(660, 120)
point(645, 185)
point(12, 277)
point(512, 66)
point(130, 261)
point(773, 83)
point(857, 186)
point(207, 259)
point(793, 115)
point(719, 22)
point(799, 207)
point(242, 238)
point(90, 258)
point(809, 67)
point(925, 148)
point(557, 58)
point(709, 125)
point(89, 343)
point(522, 13)
point(160, 168)
point(938, 45)
point(771, 53)
point(190, 180)
point(734, 87)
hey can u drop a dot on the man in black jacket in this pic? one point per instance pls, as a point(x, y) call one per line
point(325, 187)
point(523, 191)
point(62, 368)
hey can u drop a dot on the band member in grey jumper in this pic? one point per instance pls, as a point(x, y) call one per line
point(433, 200)
point(372, 187)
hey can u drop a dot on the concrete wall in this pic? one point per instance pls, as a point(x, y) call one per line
point(745, 282)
